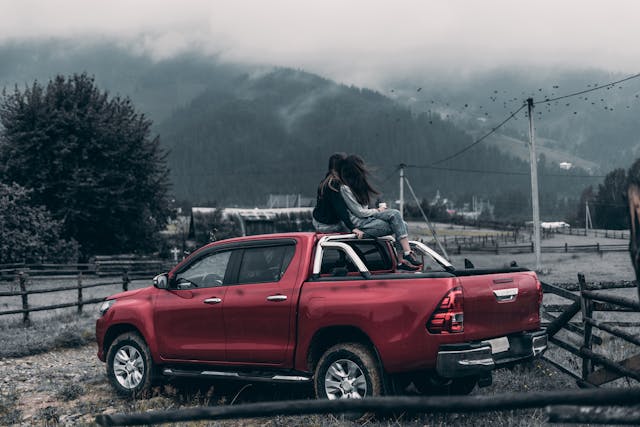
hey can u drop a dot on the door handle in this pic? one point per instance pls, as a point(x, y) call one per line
point(277, 298)
point(506, 295)
point(213, 301)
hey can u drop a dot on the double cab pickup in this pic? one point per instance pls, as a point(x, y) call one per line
point(329, 309)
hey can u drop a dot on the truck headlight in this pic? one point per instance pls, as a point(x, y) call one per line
point(106, 305)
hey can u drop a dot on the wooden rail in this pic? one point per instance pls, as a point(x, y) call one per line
point(383, 405)
point(528, 248)
point(597, 369)
point(80, 302)
point(101, 266)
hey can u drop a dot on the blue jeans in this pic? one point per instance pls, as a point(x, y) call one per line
point(382, 224)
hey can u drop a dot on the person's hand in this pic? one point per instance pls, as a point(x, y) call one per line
point(359, 233)
point(382, 206)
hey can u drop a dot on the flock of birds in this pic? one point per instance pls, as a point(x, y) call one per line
point(545, 101)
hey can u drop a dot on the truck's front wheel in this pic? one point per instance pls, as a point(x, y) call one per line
point(347, 371)
point(129, 364)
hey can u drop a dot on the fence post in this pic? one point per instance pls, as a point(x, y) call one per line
point(79, 292)
point(566, 247)
point(22, 280)
point(586, 306)
point(532, 246)
point(125, 281)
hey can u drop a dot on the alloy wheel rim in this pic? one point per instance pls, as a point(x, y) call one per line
point(345, 380)
point(128, 367)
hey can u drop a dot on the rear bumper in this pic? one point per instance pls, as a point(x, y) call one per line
point(476, 358)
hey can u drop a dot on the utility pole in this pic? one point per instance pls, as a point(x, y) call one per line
point(401, 200)
point(534, 185)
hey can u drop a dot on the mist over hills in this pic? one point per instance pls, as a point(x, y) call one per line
point(236, 134)
point(599, 127)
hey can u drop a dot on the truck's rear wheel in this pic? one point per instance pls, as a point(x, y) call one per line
point(129, 365)
point(347, 371)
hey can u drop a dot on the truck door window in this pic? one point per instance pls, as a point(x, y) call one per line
point(265, 264)
point(207, 272)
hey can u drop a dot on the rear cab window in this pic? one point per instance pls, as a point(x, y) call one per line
point(374, 254)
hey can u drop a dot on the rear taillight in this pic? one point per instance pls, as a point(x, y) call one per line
point(540, 293)
point(449, 316)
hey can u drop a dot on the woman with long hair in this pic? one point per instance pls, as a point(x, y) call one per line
point(331, 214)
point(356, 192)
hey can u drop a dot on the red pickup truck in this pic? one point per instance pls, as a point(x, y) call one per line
point(331, 309)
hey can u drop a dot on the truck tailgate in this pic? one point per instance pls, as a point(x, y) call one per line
point(500, 304)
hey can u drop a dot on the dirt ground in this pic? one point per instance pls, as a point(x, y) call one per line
point(69, 387)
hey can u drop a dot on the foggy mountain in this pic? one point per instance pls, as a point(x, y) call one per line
point(275, 131)
point(236, 134)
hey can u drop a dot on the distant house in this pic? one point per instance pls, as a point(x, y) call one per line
point(554, 225)
point(549, 226)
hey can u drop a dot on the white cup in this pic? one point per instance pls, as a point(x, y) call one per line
point(382, 205)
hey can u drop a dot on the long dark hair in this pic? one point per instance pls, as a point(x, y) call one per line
point(332, 178)
point(355, 174)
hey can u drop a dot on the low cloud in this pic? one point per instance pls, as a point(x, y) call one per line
point(359, 41)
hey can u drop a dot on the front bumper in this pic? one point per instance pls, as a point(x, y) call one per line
point(477, 358)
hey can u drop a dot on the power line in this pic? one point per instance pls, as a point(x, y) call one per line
point(545, 101)
point(548, 100)
point(497, 172)
point(478, 141)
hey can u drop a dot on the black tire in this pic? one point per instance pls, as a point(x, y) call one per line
point(129, 365)
point(362, 378)
point(432, 384)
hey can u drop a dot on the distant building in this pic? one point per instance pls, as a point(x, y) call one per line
point(566, 165)
point(554, 225)
point(255, 221)
point(289, 201)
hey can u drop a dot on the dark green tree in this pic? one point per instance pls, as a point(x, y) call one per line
point(90, 160)
point(611, 209)
point(29, 233)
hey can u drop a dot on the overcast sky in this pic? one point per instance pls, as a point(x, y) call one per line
point(354, 41)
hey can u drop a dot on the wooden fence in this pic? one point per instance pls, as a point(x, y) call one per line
point(101, 266)
point(587, 302)
point(79, 286)
point(464, 246)
point(608, 234)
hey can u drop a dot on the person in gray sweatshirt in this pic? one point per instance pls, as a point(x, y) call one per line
point(375, 222)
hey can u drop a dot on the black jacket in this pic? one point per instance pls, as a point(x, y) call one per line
point(330, 207)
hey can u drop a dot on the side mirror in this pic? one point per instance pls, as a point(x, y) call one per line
point(161, 281)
